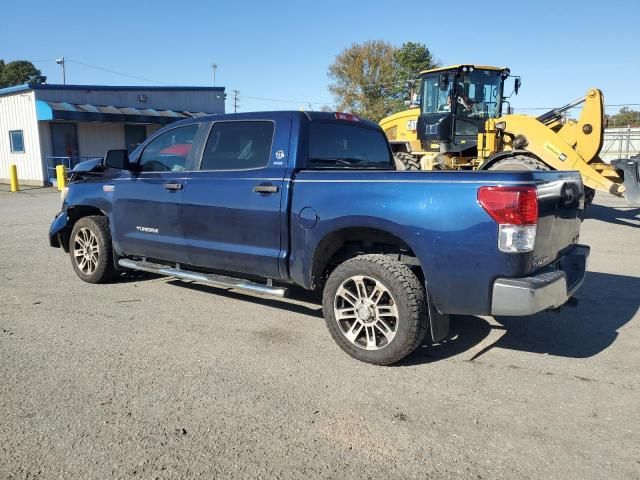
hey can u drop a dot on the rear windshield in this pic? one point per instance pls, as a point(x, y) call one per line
point(342, 145)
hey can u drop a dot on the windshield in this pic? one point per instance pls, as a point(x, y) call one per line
point(347, 145)
point(476, 94)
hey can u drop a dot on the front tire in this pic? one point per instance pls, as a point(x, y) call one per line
point(91, 250)
point(589, 195)
point(519, 162)
point(406, 161)
point(375, 309)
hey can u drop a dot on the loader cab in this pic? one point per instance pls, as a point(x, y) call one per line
point(455, 104)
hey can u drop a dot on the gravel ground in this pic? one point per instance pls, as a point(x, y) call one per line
point(155, 378)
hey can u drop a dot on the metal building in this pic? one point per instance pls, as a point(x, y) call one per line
point(620, 143)
point(44, 125)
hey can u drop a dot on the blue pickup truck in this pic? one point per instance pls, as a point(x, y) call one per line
point(262, 201)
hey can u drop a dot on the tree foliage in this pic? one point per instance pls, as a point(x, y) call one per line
point(411, 59)
point(624, 118)
point(374, 78)
point(19, 72)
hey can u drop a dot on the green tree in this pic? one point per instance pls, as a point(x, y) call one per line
point(363, 79)
point(19, 72)
point(624, 118)
point(411, 59)
point(373, 79)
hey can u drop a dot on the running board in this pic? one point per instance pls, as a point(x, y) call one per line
point(220, 281)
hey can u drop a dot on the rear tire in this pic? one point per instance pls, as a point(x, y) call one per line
point(375, 309)
point(406, 161)
point(91, 250)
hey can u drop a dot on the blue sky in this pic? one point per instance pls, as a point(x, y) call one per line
point(281, 49)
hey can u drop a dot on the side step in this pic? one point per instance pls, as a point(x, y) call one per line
point(220, 281)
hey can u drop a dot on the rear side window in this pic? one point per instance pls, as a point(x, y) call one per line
point(238, 145)
point(341, 145)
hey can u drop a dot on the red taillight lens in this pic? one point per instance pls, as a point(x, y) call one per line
point(347, 116)
point(510, 205)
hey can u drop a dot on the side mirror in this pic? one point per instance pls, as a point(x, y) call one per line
point(117, 159)
point(516, 85)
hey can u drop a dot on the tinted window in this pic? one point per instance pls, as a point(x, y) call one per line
point(340, 145)
point(169, 151)
point(238, 146)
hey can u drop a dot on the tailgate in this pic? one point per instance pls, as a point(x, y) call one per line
point(560, 201)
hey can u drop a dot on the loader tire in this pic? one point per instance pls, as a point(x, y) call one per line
point(589, 194)
point(406, 161)
point(519, 162)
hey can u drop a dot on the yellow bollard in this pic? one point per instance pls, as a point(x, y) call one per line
point(61, 176)
point(13, 176)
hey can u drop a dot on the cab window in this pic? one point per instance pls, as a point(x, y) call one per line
point(335, 144)
point(169, 151)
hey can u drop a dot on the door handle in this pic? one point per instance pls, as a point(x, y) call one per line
point(173, 186)
point(265, 188)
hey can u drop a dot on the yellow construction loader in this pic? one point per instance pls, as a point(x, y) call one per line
point(459, 124)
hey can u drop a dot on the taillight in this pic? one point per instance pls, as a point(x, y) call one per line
point(347, 116)
point(515, 209)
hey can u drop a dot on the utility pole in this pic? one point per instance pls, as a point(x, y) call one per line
point(236, 101)
point(214, 67)
point(60, 61)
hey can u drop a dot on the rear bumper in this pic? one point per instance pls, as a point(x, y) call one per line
point(550, 288)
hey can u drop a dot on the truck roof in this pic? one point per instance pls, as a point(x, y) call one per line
point(275, 114)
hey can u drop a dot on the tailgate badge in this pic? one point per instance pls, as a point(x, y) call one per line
point(108, 188)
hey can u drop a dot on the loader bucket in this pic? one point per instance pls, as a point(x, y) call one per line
point(630, 167)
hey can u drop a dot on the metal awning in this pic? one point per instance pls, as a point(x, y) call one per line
point(98, 113)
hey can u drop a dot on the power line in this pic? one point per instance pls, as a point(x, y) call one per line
point(284, 101)
point(606, 106)
point(118, 73)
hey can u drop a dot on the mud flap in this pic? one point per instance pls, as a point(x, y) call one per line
point(631, 170)
point(439, 322)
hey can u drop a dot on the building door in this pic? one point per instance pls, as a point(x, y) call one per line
point(64, 140)
point(134, 135)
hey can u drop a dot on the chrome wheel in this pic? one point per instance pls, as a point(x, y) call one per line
point(366, 312)
point(86, 251)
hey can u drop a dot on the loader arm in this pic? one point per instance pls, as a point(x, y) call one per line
point(574, 145)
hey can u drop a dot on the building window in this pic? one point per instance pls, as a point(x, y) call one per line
point(17, 141)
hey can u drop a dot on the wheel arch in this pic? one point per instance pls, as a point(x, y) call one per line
point(75, 213)
point(342, 244)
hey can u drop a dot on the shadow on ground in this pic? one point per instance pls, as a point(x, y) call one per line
point(629, 216)
point(295, 295)
point(607, 302)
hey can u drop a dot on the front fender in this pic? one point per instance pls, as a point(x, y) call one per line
point(57, 229)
